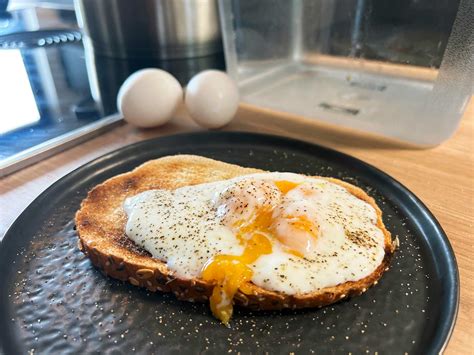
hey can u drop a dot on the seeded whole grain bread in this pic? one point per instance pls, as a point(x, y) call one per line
point(101, 221)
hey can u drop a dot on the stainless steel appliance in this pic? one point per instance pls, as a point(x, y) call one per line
point(151, 28)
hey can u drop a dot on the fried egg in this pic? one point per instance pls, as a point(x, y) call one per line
point(283, 232)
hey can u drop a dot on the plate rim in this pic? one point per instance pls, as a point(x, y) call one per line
point(453, 281)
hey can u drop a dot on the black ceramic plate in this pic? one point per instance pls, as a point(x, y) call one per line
point(53, 301)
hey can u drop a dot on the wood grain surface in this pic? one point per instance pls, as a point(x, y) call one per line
point(442, 177)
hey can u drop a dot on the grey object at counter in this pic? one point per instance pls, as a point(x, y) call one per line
point(166, 29)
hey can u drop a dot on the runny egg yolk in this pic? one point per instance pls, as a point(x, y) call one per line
point(284, 186)
point(231, 273)
point(297, 233)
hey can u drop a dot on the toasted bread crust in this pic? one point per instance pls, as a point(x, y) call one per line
point(101, 224)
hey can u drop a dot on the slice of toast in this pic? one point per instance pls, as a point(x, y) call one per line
point(101, 224)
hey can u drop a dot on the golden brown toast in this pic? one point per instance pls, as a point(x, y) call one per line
point(101, 224)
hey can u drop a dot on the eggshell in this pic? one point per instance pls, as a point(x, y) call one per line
point(212, 98)
point(149, 97)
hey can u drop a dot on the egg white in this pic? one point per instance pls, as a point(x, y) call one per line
point(182, 228)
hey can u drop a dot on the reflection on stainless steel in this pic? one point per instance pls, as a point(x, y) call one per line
point(158, 28)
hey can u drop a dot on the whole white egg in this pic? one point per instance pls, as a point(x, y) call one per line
point(212, 98)
point(149, 97)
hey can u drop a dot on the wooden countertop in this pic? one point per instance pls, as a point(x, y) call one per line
point(442, 177)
